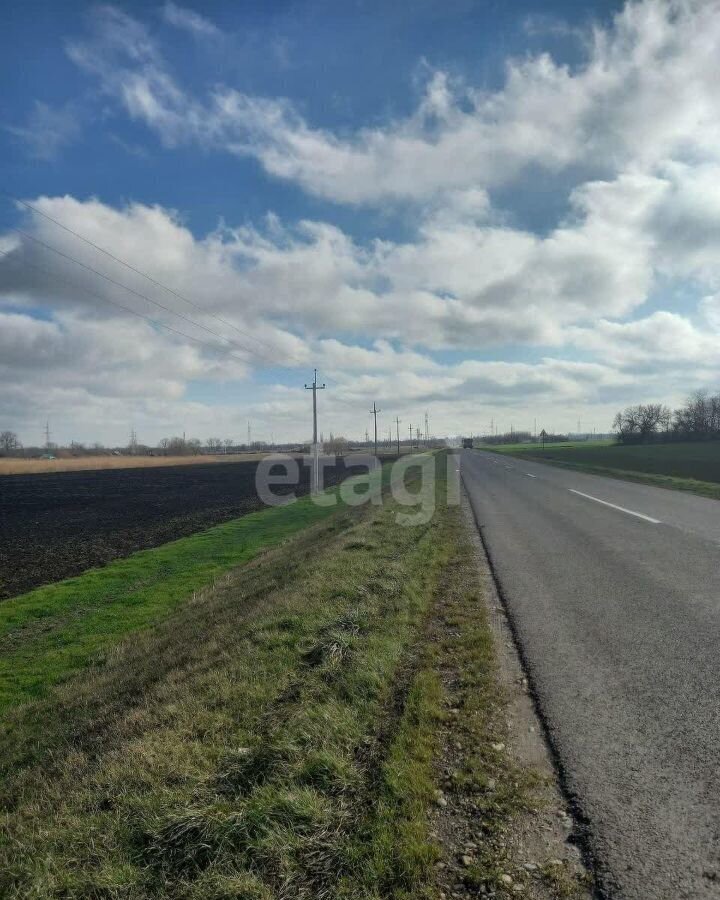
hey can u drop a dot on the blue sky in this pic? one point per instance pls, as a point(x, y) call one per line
point(479, 209)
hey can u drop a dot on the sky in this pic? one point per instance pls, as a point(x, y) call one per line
point(488, 212)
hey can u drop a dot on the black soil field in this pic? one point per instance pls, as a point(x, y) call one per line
point(53, 526)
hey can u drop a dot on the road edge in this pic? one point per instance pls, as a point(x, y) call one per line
point(530, 737)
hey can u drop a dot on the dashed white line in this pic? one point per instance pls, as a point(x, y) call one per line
point(630, 512)
point(530, 476)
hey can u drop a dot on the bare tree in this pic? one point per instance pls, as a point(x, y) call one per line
point(213, 444)
point(9, 442)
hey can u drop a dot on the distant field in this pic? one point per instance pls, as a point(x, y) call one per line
point(686, 466)
point(83, 463)
point(58, 524)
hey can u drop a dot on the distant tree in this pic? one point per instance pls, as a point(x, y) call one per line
point(213, 444)
point(175, 446)
point(639, 423)
point(228, 443)
point(699, 417)
point(76, 448)
point(193, 446)
point(9, 442)
point(336, 446)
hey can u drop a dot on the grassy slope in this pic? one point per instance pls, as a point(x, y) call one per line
point(691, 467)
point(53, 630)
point(275, 737)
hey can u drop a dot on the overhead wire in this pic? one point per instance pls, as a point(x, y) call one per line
point(156, 282)
point(141, 295)
point(128, 309)
point(137, 271)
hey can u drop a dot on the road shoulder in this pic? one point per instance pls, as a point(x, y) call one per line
point(501, 819)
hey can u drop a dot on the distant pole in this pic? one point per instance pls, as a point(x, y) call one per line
point(427, 430)
point(249, 436)
point(315, 387)
point(397, 422)
point(374, 411)
point(47, 435)
point(411, 437)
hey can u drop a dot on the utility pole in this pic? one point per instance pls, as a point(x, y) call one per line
point(374, 412)
point(47, 435)
point(367, 436)
point(427, 430)
point(249, 436)
point(315, 387)
point(417, 435)
point(397, 422)
point(411, 437)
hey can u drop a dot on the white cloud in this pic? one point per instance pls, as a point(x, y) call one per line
point(646, 93)
point(47, 130)
point(189, 20)
point(631, 137)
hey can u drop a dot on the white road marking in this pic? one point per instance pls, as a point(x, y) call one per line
point(630, 512)
point(508, 467)
point(530, 476)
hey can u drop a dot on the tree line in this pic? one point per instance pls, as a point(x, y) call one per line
point(697, 419)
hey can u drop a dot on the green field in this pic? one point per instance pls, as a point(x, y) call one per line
point(53, 631)
point(689, 466)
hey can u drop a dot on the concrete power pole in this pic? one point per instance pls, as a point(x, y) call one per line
point(315, 387)
point(374, 411)
point(427, 430)
point(411, 436)
point(397, 422)
point(47, 435)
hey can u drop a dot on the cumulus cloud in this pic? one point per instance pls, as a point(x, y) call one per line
point(630, 135)
point(645, 93)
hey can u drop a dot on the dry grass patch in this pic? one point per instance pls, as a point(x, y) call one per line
point(11, 466)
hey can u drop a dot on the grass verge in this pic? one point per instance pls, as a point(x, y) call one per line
point(53, 631)
point(279, 735)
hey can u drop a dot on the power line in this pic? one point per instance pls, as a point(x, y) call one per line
point(129, 310)
point(374, 411)
point(132, 268)
point(315, 387)
point(141, 295)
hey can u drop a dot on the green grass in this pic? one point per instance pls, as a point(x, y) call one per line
point(53, 631)
point(282, 733)
point(688, 466)
point(239, 747)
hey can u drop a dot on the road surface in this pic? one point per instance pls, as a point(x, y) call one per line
point(613, 589)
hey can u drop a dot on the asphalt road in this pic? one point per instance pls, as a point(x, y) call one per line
point(613, 589)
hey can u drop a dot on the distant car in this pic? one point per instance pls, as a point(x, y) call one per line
point(48, 456)
point(467, 443)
